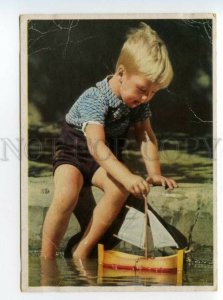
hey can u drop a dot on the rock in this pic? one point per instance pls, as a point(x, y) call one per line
point(34, 115)
point(189, 208)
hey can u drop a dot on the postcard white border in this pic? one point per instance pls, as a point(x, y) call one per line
point(24, 166)
point(9, 93)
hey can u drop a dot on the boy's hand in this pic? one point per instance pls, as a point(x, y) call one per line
point(137, 185)
point(161, 180)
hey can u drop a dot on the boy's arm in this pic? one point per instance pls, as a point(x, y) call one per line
point(95, 136)
point(149, 149)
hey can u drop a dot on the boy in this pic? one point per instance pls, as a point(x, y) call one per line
point(90, 145)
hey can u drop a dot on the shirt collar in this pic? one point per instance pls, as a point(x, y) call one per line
point(106, 90)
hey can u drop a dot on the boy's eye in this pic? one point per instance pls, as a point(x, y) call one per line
point(142, 90)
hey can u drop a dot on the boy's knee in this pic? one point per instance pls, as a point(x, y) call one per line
point(117, 192)
point(64, 202)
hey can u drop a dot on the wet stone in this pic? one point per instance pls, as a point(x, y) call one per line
point(189, 208)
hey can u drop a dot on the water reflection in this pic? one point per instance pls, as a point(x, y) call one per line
point(62, 272)
point(67, 272)
point(146, 278)
point(86, 270)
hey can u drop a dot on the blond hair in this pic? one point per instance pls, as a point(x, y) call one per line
point(145, 53)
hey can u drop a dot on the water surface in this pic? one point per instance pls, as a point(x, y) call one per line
point(64, 272)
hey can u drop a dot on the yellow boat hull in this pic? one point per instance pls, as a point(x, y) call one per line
point(124, 261)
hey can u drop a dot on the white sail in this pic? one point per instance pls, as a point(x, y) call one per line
point(133, 230)
point(161, 236)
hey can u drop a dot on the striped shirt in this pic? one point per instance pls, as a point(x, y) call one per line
point(99, 105)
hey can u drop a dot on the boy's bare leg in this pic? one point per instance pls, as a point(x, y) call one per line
point(68, 182)
point(104, 213)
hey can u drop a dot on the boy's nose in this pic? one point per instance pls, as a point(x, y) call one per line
point(144, 98)
point(147, 97)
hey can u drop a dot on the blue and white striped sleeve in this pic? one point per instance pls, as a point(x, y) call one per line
point(92, 108)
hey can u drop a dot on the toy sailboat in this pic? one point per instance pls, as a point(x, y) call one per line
point(137, 229)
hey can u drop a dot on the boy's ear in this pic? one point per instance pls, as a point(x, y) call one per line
point(121, 70)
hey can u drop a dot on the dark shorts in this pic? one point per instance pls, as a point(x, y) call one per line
point(71, 148)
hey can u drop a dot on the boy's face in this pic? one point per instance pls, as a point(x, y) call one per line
point(136, 89)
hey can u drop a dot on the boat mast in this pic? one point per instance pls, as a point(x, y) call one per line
point(146, 226)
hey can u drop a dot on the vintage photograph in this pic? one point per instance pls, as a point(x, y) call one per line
point(118, 141)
